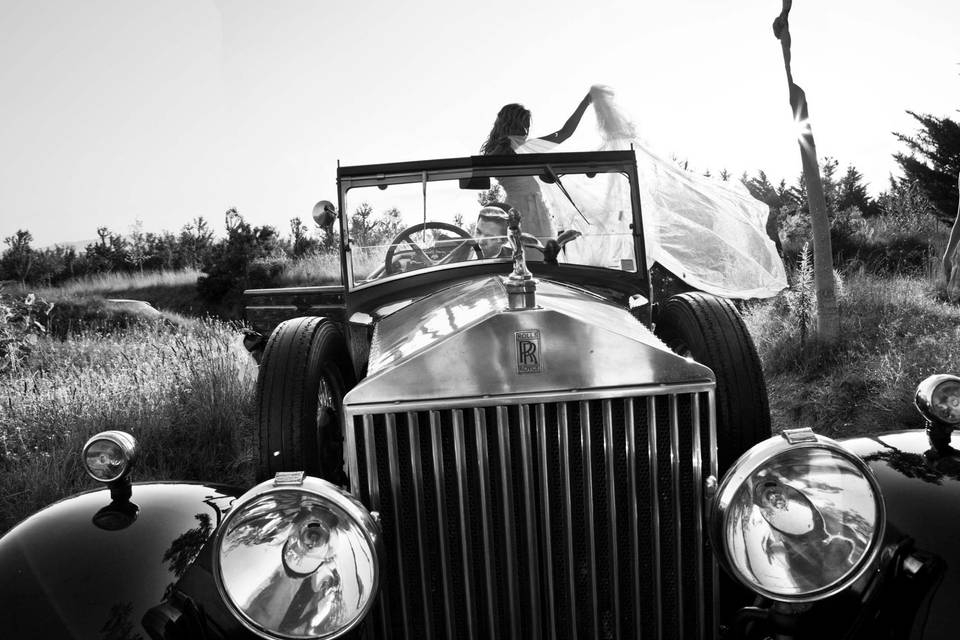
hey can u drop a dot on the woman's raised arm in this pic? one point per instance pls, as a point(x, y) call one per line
point(571, 124)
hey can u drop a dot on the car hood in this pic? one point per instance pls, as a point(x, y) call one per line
point(464, 342)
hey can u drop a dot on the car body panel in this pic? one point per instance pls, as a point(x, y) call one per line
point(65, 576)
point(464, 342)
point(921, 489)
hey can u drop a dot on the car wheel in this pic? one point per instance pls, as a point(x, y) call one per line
point(304, 373)
point(710, 330)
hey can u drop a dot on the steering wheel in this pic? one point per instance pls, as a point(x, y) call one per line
point(461, 251)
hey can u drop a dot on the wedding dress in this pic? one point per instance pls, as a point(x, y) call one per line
point(711, 234)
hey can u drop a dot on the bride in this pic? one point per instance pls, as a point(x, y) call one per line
point(710, 234)
point(509, 133)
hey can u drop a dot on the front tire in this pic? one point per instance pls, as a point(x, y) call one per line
point(304, 373)
point(710, 330)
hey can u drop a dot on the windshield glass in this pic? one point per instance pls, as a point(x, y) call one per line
point(567, 218)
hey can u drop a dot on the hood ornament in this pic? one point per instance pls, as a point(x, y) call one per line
point(520, 285)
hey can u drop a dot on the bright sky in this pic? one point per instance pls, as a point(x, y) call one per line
point(114, 111)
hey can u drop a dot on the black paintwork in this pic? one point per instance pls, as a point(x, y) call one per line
point(921, 490)
point(62, 576)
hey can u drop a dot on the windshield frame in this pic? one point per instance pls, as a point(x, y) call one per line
point(481, 167)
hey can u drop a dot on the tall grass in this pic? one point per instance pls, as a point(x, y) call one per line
point(894, 332)
point(185, 392)
point(107, 283)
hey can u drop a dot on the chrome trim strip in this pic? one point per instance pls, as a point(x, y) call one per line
point(714, 568)
point(541, 426)
point(567, 510)
point(460, 454)
point(416, 466)
point(529, 398)
point(591, 530)
point(393, 457)
point(438, 477)
point(698, 516)
point(348, 429)
point(506, 479)
point(631, 434)
point(608, 454)
point(373, 486)
point(655, 502)
point(483, 467)
point(533, 569)
point(677, 513)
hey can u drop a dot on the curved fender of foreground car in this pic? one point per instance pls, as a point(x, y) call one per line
point(921, 491)
point(88, 567)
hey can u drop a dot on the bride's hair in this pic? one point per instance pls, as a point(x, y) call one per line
point(512, 120)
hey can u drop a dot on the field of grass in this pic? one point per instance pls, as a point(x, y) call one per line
point(894, 332)
point(185, 391)
point(185, 388)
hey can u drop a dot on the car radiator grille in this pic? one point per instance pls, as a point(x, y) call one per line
point(579, 518)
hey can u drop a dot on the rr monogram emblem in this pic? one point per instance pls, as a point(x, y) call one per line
point(529, 358)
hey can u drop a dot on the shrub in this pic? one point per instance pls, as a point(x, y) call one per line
point(22, 321)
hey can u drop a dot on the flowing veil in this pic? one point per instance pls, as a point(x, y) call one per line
point(709, 233)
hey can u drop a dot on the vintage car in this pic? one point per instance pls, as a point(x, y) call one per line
point(487, 432)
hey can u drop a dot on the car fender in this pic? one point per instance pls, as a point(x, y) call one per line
point(921, 491)
point(88, 566)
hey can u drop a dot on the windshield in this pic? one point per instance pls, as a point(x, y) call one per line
point(442, 221)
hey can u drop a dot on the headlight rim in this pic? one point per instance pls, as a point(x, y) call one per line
point(752, 461)
point(127, 444)
point(319, 487)
point(923, 398)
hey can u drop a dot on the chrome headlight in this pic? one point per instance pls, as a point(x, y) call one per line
point(109, 455)
point(797, 518)
point(938, 399)
point(298, 558)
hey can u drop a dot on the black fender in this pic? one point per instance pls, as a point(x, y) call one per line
point(89, 567)
point(920, 484)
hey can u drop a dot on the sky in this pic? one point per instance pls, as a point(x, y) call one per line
point(118, 111)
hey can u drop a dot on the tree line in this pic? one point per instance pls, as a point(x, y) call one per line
point(927, 192)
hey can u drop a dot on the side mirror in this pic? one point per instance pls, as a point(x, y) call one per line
point(325, 214)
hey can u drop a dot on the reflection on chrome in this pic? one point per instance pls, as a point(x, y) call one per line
point(296, 564)
point(802, 522)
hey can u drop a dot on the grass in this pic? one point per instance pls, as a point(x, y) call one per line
point(184, 391)
point(110, 283)
point(174, 291)
point(894, 333)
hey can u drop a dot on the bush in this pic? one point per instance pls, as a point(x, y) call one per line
point(22, 321)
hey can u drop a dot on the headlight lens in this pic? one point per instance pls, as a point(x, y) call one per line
point(298, 561)
point(938, 398)
point(109, 455)
point(798, 521)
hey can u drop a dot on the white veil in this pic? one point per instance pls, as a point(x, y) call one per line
point(709, 233)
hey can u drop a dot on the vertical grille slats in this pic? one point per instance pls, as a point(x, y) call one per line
point(581, 517)
point(608, 456)
point(439, 483)
point(460, 455)
point(393, 456)
point(655, 515)
point(564, 437)
point(483, 468)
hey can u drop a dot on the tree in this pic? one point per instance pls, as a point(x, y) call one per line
point(828, 315)
point(19, 257)
point(933, 161)
point(852, 192)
